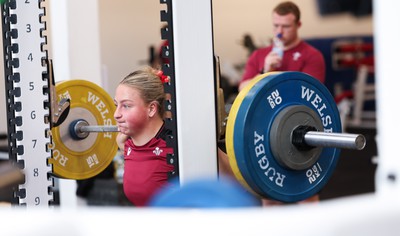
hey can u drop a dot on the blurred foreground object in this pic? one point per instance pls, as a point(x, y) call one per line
point(9, 175)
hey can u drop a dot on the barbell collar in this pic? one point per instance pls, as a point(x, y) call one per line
point(335, 140)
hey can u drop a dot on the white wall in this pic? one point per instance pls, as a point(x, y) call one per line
point(128, 28)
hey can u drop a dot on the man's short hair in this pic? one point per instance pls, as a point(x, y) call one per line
point(288, 7)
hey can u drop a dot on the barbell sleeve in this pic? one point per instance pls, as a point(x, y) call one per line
point(336, 140)
point(80, 129)
point(98, 128)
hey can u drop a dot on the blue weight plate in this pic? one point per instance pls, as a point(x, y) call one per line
point(252, 127)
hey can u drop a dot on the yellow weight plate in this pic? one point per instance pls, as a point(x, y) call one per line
point(84, 158)
point(229, 141)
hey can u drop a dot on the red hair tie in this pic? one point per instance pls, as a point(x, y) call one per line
point(163, 78)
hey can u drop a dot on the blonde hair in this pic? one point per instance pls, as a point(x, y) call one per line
point(149, 84)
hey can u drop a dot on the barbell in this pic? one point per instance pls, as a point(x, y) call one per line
point(283, 135)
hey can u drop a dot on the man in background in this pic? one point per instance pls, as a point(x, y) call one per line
point(297, 54)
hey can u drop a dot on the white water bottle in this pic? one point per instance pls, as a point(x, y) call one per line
point(278, 45)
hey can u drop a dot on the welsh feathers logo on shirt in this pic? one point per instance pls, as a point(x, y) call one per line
point(296, 56)
point(129, 151)
point(157, 151)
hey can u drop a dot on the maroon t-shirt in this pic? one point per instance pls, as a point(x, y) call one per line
point(146, 169)
point(303, 58)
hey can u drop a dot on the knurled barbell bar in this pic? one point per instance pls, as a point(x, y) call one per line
point(300, 138)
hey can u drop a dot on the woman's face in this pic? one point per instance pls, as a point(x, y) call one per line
point(132, 113)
